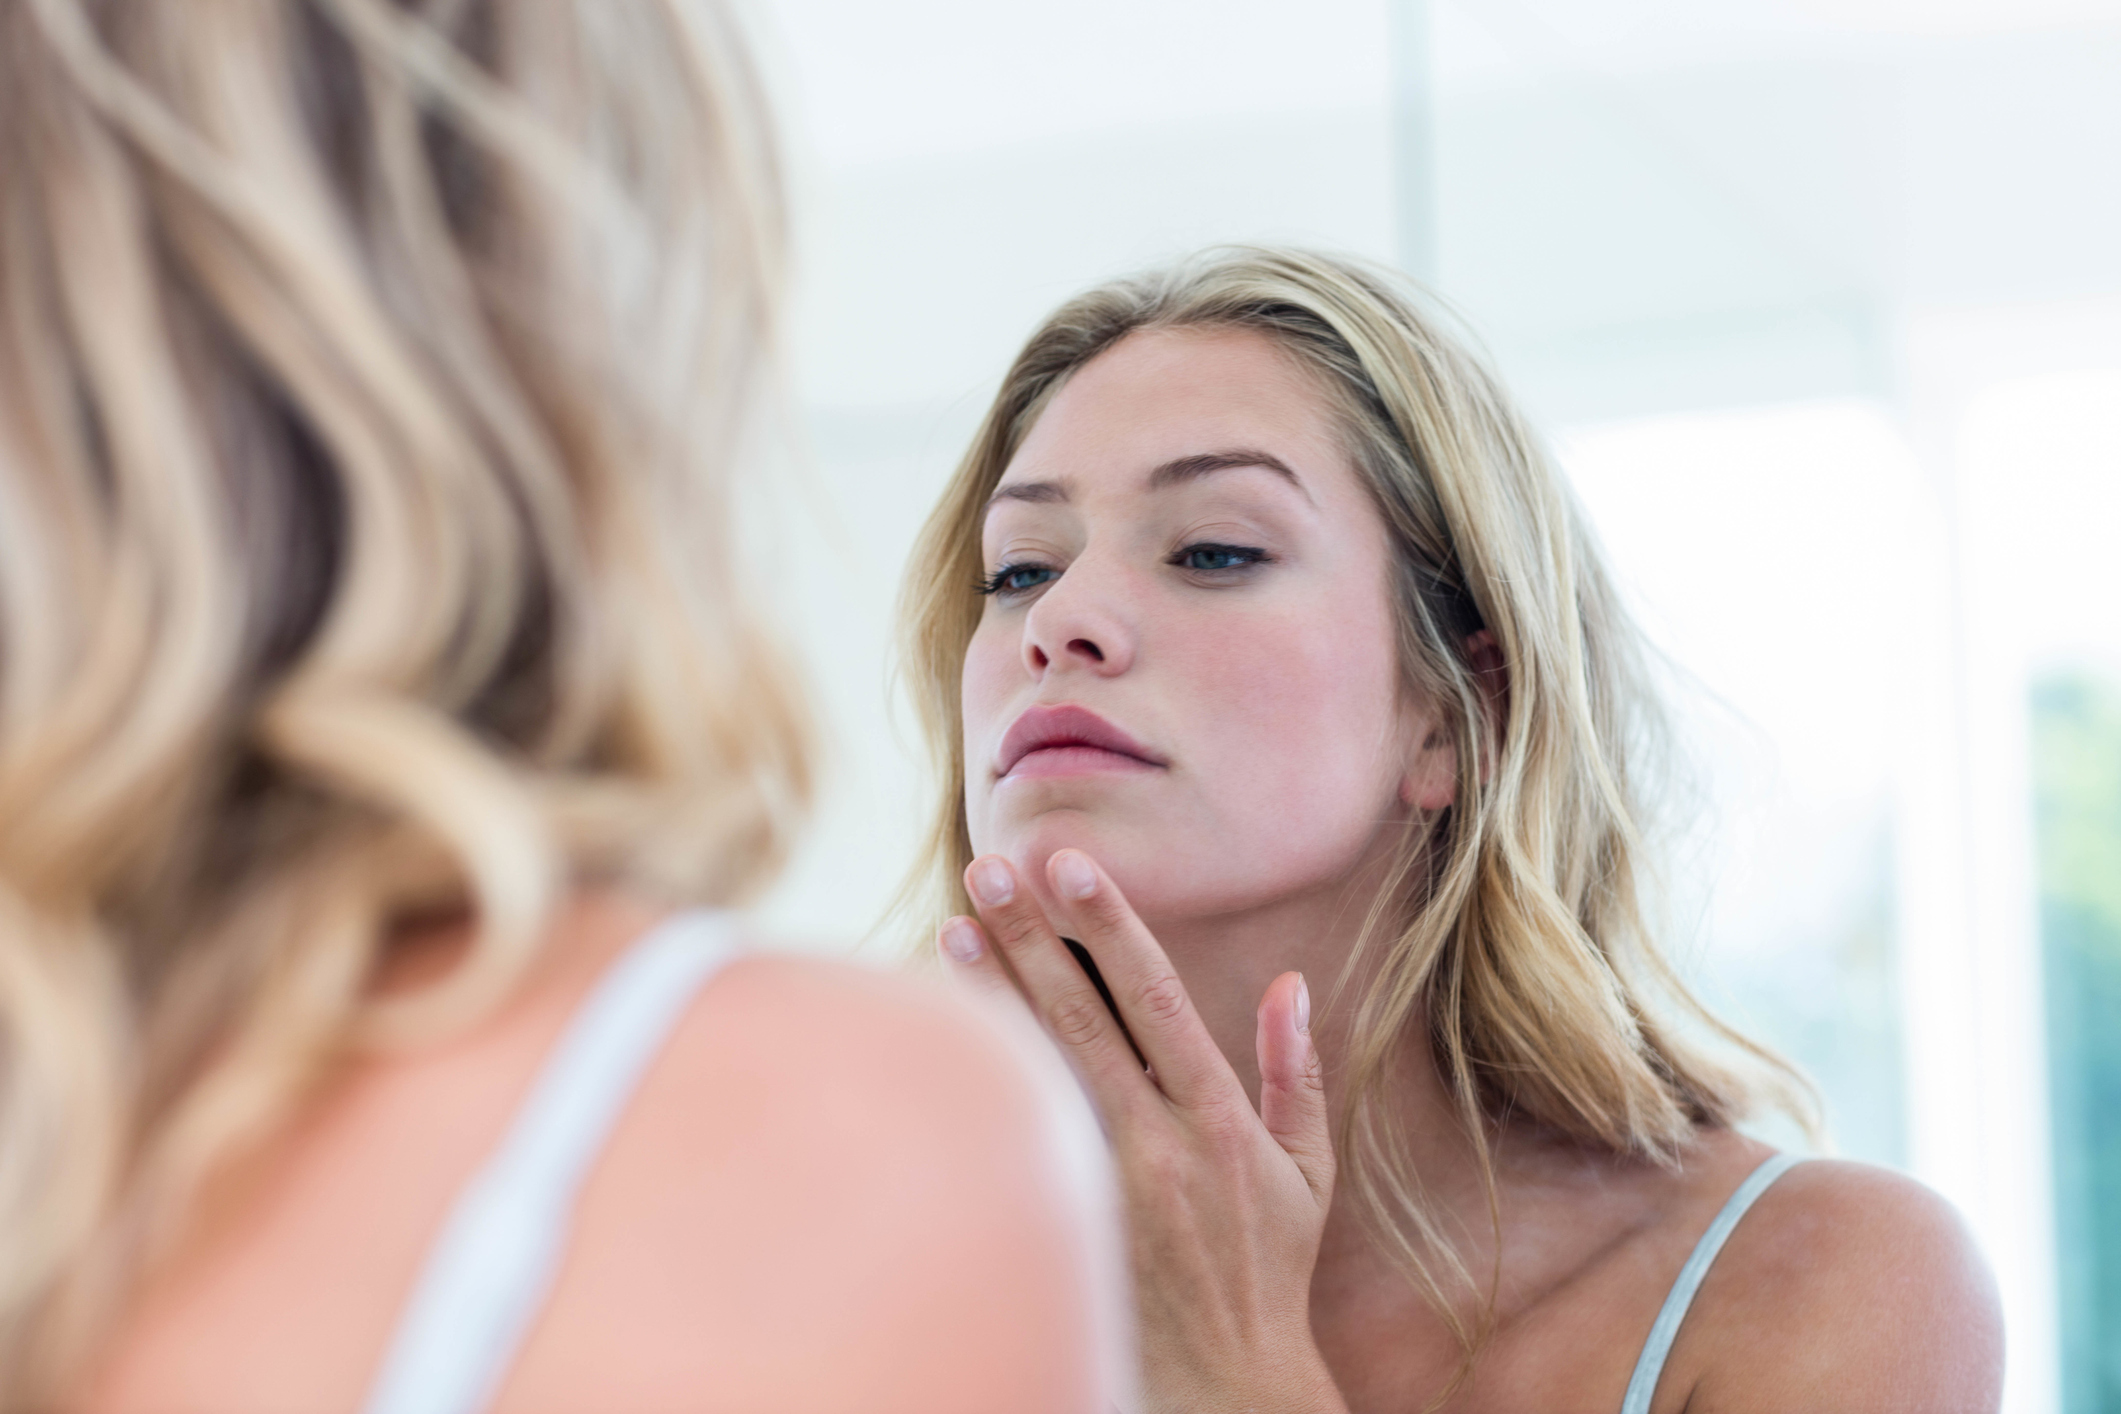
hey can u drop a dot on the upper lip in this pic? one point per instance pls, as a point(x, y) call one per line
point(1066, 725)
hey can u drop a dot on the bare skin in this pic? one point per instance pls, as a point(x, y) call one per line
point(819, 1167)
point(1230, 626)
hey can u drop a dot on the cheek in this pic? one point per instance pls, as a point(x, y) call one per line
point(993, 671)
point(1304, 710)
point(1285, 724)
point(1293, 739)
point(993, 677)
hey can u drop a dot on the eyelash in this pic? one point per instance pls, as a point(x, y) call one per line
point(998, 582)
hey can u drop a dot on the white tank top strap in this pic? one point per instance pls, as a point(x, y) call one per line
point(489, 1271)
point(1650, 1364)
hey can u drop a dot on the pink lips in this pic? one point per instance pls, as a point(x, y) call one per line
point(1066, 741)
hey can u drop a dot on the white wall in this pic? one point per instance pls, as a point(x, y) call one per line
point(962, 168)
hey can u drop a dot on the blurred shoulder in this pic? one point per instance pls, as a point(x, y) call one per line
point(856, 1032)
point(1851, 1286)
point(786, 1065)
point(826, 1157)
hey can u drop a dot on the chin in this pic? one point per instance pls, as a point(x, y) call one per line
point(1140, 861)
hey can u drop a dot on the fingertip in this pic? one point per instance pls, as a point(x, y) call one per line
point(990, 880)
point(960, 941)
point(1287, 995)
point(1072, 874)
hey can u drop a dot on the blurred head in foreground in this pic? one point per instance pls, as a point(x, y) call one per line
point(370, 377)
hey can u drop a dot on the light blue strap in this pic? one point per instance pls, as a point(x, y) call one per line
point(1654, 1350)
point(488, 1274)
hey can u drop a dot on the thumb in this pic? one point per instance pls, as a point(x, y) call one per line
point(1292, 1088)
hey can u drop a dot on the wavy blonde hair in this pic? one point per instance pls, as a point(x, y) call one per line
point(1513, 931)
point(371, 377)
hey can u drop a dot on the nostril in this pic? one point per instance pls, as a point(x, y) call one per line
point(1088, 649)
point(1038, 657)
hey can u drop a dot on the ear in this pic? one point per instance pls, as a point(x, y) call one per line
point(1492, 673)
point(1431, 782)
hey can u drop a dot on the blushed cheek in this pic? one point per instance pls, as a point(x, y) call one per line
point(1306, 738)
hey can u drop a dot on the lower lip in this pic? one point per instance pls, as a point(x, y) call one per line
point(1074, 761)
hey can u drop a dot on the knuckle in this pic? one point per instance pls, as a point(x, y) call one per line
point(1107, 911)
point(1016, 930)
point(1311, 1080)
point(1225, 1129)
point(1163, 999)
point(1287, 1087)
point(1075, 1020)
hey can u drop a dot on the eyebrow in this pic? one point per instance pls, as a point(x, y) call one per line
point(1201, 464)
point(1172, 473)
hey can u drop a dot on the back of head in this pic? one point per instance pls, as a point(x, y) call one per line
point(371, 372)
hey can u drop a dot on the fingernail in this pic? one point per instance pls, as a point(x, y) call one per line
point(1073, 875)
point(993, 883)
point(1303, 1004)
point(961, 940)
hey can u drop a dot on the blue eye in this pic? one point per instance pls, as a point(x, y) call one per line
point(1016, 579)
point(1209, 559)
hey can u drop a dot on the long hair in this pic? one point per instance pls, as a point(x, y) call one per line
point(1513, 934)
point(371, 377)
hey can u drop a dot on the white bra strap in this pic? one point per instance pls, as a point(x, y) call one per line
point(1654, 1350)
point(488, 1274)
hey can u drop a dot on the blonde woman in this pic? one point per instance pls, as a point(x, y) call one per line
point(382, 736)
point(1274, 667)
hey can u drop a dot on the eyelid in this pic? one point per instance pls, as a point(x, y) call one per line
point(1225, 528)
point(1024, 542)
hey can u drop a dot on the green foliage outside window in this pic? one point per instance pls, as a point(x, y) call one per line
point(2077, 788)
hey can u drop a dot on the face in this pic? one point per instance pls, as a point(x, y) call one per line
point(1186, 666)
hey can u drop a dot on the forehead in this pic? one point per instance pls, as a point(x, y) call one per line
point(1163, 394)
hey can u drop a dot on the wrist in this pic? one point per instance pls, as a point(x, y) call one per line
point(1291, 1381)
point(1313, 1390)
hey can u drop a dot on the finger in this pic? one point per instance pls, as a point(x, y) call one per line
point(1190, 1068)
point(1292, 1090)
point(972, 962)
point(1059, 992)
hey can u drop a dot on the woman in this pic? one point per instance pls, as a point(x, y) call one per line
point(381, 729)
point(1274, 666)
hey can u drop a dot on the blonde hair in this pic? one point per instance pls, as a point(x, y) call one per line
point(371, 377)
point(1513, 931)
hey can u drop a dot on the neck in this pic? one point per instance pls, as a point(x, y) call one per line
point(1226, 962)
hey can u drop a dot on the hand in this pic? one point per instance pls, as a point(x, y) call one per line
point(1225, 1206)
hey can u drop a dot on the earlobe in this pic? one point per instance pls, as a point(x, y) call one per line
point(1431, 783)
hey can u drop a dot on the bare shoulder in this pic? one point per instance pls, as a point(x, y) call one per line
point(814, 1061)
point(842, 1006)
point(1847, 1286)
point(827, 1158)
point(855, 1038)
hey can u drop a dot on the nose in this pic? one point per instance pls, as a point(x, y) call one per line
point(1080, 623)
